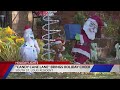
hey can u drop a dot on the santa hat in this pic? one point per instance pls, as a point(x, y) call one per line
point(98, 20)
point(58, 41)
point(27, 29)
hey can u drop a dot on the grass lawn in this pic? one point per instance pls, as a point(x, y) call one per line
point(46, 75)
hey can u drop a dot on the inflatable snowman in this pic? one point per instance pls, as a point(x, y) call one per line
point(29, 50)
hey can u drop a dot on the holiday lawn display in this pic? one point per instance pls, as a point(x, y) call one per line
point(71, 30)
point(30, 49)
point(58, 48)
point(93, 50)
point(81, 49)
point(10, 42)
point(117, 47)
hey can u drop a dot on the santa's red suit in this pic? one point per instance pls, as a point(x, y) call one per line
point(81, 50)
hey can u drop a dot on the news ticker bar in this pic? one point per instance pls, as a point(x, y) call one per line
point(45, 66)
point(65, 68)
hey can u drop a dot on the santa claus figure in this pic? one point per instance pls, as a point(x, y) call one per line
point(81, 49)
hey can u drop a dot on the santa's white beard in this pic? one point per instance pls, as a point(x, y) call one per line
point(91, 35)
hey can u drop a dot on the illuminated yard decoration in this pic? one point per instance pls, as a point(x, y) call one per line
point(47, 27)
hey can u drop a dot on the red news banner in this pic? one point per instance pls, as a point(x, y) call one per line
point(5, 67)
point(65, 66)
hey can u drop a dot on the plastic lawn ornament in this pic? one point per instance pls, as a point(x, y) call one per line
point(94, 53)
point(58, 49)
point(29, 50)
point(81, 51)
point(49, 32)
point(117, 47)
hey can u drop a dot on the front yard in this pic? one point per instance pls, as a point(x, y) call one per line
point(46, 75)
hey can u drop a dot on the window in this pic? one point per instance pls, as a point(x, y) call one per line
point(4, 18)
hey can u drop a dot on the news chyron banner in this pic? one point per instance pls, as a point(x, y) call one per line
point(16, 67)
